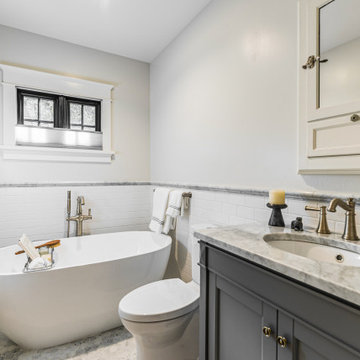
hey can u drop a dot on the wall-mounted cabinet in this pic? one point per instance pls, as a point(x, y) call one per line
point(329, 81)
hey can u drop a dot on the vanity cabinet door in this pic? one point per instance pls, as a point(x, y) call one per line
point(241, 326)
point(303, 342)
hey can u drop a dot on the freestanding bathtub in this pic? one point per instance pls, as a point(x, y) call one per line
point(80, 295)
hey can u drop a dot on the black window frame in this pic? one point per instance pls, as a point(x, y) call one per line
point(61, 109)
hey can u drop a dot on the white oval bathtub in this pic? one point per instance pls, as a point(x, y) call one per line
point(80, 295)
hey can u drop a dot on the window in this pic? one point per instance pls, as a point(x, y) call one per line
point(43, 131)
point(58, 111)
point(83, 114)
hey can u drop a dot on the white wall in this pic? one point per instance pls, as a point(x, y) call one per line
point(224, 101)
point(40, 212)
point(231, 209)
point(130, 108)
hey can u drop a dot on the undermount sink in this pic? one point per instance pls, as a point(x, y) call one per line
point(314, 248)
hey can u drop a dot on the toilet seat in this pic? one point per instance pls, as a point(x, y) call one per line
point(159, 301)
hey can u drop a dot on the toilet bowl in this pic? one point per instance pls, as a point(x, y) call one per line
point(163, 317)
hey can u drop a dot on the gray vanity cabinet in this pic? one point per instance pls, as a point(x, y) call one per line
point(231, 308)
point(250, 313)
point(306, 343)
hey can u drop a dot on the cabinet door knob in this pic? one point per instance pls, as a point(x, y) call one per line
point(266, 331)
point(282, 341)
point(355, 118)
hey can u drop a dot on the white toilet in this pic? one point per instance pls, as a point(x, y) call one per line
point(163, 317)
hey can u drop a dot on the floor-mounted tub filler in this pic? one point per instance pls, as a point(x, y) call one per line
point(79, 296)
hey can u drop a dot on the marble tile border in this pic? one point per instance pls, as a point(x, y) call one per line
point(73, 184)
point(307, 196)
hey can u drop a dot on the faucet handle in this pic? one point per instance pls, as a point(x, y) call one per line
point(323, 227)
point(351, 201)
point(89, 212)
point(312, 208)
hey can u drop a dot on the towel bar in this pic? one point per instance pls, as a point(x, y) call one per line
point(185, 194)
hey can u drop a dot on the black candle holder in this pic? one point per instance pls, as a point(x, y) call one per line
point(276, 218)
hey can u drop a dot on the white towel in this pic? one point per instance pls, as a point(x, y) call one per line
point(160, 204)
point(38, 263)
point(28, 247)
point(175, 208)
point(175, 203)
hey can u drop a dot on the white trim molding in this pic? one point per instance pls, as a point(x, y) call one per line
point(35, 153)
point(13, 77)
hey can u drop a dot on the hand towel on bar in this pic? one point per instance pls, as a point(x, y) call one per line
point(160, 203)
point(175, 208)
point(170, 224)
point(175, 203)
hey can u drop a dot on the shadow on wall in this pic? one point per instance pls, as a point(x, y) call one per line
point(330, 183)
point(179, 265)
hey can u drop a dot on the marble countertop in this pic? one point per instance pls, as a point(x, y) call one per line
point(247, 242)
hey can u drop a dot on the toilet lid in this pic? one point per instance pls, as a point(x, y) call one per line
point(159, 301)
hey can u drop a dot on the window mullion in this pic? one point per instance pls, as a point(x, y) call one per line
point(82, 117)
point(61, 113)
point(38, 111)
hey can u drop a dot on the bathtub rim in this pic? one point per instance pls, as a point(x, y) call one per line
point(54, 268)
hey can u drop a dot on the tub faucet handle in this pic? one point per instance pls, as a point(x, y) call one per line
point(89, 212)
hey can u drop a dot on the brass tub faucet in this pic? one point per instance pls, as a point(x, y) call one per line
point(350, 223)
point(79, 218)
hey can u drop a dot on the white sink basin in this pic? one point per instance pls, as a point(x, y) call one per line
point(313, 250)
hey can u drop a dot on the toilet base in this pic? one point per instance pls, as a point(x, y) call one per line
point(176, 339)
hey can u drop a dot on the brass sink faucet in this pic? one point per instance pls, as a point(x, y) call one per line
point(350, 224)
point(79, 218)
point(322, 227)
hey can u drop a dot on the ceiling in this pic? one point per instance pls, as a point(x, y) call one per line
point(138, 29)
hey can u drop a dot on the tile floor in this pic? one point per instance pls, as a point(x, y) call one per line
point(114, 344)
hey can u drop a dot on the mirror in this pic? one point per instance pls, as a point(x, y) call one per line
point(339, 51)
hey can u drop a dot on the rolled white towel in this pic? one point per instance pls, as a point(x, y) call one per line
point(38, 263)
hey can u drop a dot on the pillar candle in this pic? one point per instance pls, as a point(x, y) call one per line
point(277, 197)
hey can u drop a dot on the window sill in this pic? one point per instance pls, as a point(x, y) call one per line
point(32, 153)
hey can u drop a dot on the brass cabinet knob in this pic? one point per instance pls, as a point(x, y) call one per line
point(266, 331)
point(355, 118)
point(281, 340)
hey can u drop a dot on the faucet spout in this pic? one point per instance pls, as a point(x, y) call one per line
point(350, 223)
point(338, 202)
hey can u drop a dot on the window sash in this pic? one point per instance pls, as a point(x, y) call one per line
point(61, 109)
